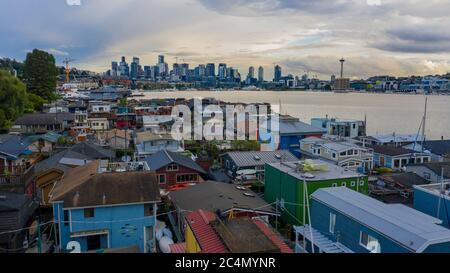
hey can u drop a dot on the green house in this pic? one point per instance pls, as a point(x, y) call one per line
point(285, 182)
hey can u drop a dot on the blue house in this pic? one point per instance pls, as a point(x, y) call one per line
point(434, 200)
point(344, 220)
point(105, 211)
point(292, 130)
point(397, 157)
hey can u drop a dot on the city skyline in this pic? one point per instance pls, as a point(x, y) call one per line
point(376, 37)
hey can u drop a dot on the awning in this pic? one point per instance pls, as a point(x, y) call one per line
point(89, 233)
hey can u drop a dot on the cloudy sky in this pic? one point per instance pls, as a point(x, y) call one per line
point(398, 37)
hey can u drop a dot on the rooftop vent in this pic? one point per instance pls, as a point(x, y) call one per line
point(248, 194)
point(257, 158)
point(308, 175)
point(278, 156)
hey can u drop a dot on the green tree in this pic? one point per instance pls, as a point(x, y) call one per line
point(40, 74)
point(13, 99)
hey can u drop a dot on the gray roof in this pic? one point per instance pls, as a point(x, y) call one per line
point(437, 168)
point(164, 158)
point(325, 170)
point(408, 227)
point(213, 196)
point(440, 147)
point(57, 161)
point(296, 127)
point(392, 150)
point(44, 118)
point(257, 158)
point(92, 150)
point(13, 145)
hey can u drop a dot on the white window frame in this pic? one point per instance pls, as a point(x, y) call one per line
point(332, 225)
point(344, 184)
point(369, 239)
point(334, 185)
point(353, 183)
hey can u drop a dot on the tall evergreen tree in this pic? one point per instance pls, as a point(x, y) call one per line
point(40, 74)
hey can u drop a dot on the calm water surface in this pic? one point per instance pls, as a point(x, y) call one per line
point(386, 113)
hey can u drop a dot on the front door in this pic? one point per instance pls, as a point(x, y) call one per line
point(94, 242)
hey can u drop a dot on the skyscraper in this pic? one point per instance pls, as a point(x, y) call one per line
point(251, 72)
point(114, 68)
point(260, 74)
point(277, 73)
point(176, 69)
point(134, 70)
point(124, 69)
point(201, 70)
point(210, 70)
point(222, 71)
point(136, 60)
point(184, 69)
point(161, 59)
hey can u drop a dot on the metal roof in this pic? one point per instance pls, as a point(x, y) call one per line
point(330, 171)
point(211, 195)
point(256, 158)
point(408, 227)
point(297, 127)
point(164, 158)
point(207, 238)
point(13, 145)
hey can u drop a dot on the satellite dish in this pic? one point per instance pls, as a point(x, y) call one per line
point(73, 247)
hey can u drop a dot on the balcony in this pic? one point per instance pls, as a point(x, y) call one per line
point(19, 177)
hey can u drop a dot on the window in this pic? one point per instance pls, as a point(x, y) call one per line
point(426, 159)
point(361, 183)
point(334, 185)
point(162, 178)
point(343, 154)
point(148, 210)
point(172, 167)
point(183, 178)
point(344, 184)
point(227, 163)
point(89, 213)
point(66, 218)
point(334, 155)
point(369, 242)
point(353, 183)
point(332, 222)
point(396, 163)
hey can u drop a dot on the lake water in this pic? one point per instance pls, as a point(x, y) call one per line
point(386, 113)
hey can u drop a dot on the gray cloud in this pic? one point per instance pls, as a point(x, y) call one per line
point(416, 38)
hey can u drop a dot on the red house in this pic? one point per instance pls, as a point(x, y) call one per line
point(174, 171)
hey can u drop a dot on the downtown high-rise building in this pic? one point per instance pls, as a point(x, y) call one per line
point(210, 70)
point(222, 71)
point(260, 74)
point(114, 68)
point(124, 69)
point(251, 72)
point(161, 59)
point(277, 73)
point(184, 69)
